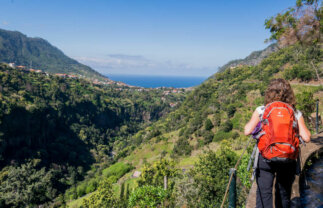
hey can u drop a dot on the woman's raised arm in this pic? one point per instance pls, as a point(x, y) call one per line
point(250, 126)
point(303, 130)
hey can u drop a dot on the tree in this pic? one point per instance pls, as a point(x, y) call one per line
point(210, 176)
point(231, 110)
point(299, 24)
point(147, 196)
point(208, 124)
point(68, 124)
point(208, 136)
point(25, 186)
point(227, 126)
point(182, 147)
point(185, 193)
point(305, 103)
point(104, 197)
point(217, 119)
point(154, 174)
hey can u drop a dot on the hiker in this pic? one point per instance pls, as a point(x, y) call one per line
point(277, 143)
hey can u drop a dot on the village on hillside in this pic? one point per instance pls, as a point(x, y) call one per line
point(120, 86)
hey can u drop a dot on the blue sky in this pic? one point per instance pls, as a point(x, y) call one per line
point(166, 37)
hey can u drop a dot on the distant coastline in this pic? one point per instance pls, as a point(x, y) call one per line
point(153, 81)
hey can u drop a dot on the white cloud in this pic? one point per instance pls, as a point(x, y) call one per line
point(5, 23)
point(116, 61)
point(128, 64)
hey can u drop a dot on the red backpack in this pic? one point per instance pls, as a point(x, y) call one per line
point(279, 141)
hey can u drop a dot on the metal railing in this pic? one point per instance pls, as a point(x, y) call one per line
point(317, 116)
point(232, 181)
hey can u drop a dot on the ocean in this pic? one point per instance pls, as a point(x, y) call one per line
point(157, 81)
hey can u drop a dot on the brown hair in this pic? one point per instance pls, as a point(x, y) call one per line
point(280, 90)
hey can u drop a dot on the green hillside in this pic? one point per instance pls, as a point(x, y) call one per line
point(37, 53)
point(212, 117)
point(194, 146)
point(54, 130)
point(253, 59)
point(67, 142)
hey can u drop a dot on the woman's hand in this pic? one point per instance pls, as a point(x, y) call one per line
point(250, 126)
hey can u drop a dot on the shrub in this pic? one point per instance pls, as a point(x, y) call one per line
point(305, 75)
point(153, 174)
point(220, 135)
point(208, 124)
point(91, 186)
point(217, 119)
point(236, 121)
point(208, 136)
point(113, 179)
point(199, 132)
point(181, 132)
point(231, 110)
point(300, 72)
point(147, 196)
point(227, 126)
point(81, 190)
point(196, 123)
point(104, 197)
point(182, 147)
point(290, 73)
point(117, 170)
point(305, 103)
point(210, 176)
point(235, 135)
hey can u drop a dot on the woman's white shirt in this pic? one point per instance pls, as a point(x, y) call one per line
point(261, 110)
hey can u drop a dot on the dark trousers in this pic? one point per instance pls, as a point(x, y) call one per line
point(265, 174)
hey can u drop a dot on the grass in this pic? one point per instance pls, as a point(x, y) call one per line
point(188, 162)
point(148, 152)
point(117, 169)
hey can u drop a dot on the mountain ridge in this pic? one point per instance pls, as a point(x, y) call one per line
point(253, 59)
point(36, 52)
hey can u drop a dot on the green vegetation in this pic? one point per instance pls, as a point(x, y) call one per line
point(26, 185)
point(104, 197)
point(117, 170)
point(155, 174)
point(253, 59)
point(147, 196)
point(211, 176)
point(210, 119)
point(208, 125)
point(69, 129)
point(76, 139)
point(90, 184)
point(300, 24)
point(182, 147)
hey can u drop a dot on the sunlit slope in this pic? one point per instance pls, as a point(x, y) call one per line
point(219, 108)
